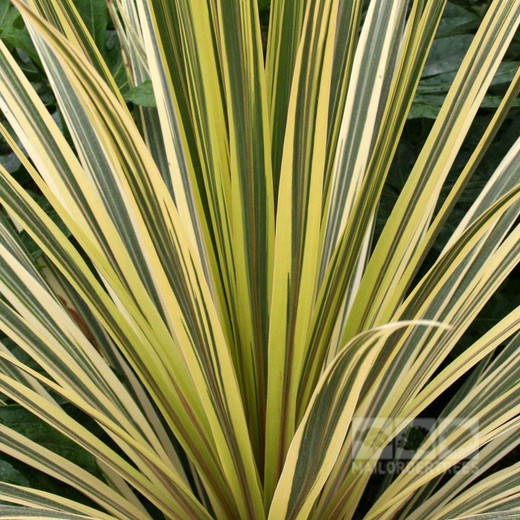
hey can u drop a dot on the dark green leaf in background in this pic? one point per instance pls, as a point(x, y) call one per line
point(11, 475)
point(457, 20)
point(447, 54)
point(95, 15)
point(13, 31)
point(141, 95)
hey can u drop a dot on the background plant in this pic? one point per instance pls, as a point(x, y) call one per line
point(220, 301)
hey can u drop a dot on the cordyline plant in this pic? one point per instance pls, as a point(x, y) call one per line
point(214, 296)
